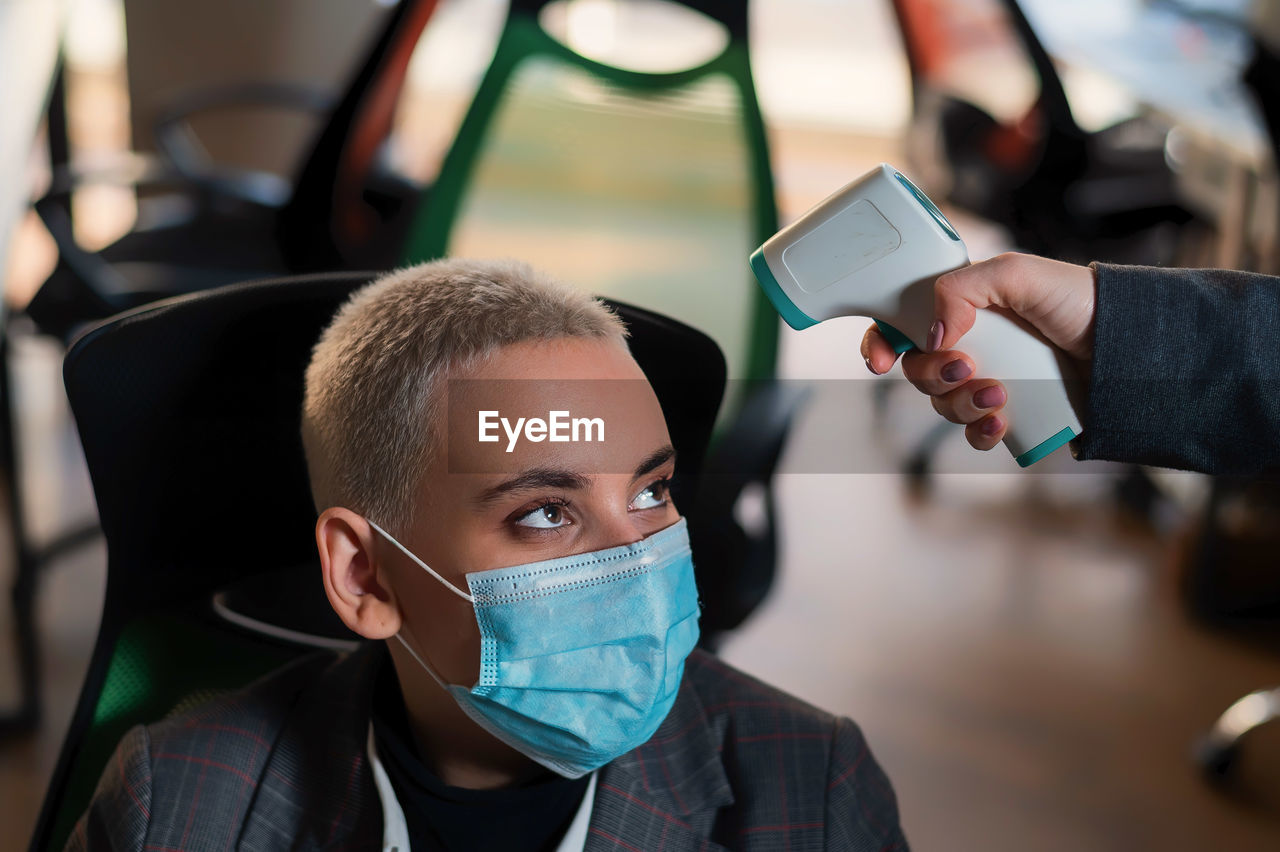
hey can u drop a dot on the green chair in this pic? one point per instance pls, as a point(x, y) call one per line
point(652, 188)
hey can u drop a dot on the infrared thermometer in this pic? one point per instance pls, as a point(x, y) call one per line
point(874, 249)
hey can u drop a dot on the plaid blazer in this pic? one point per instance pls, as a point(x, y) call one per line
point(1185, 372)
point(281, 764)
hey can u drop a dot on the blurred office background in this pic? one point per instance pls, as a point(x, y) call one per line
point(1034, 655)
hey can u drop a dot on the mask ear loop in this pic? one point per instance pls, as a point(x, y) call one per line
point(450, 586)
point(423, 663)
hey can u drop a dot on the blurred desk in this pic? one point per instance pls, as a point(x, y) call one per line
point(30, 32)
point(1187, 69)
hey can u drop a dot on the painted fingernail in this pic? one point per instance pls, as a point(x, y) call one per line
point(992, 426)
point(989, 397)
point(956, 370)
point(935, 336)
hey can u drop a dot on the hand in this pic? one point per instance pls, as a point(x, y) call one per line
point(1050, 299)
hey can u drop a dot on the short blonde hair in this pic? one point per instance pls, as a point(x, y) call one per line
point(372, 396)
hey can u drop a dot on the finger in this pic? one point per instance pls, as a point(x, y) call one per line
point(958, 295)
point(972, 401)
point(936, 373)
point(877, 352)
point(987, 432)
point(1052, 300)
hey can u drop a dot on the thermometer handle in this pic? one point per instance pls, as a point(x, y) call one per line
point(1039, 415)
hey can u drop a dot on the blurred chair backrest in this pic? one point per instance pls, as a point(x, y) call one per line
point(196, 45)
point(189, 413)
point(993, 132)
point(327, 215)
point(651, 187)
point(961, 46)
point(975, 140)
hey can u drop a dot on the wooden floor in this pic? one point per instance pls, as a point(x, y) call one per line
point(1019, 662)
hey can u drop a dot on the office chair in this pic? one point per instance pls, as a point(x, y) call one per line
point(1060, 191)
point(341, 211)
point(189, 409)
point(648, 187)
point(1219, 750)
point(644, 186)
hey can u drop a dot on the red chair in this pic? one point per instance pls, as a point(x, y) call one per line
point(1059, 190)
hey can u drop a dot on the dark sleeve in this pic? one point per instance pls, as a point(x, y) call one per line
point(862, 811)
point(120, 810)
point(1186, 370)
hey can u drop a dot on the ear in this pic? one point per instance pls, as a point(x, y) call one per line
point(355, 583)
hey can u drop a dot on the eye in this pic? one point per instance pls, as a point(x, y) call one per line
point(548, 516)
point(654, 495)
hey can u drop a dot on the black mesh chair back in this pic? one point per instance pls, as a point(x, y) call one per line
point(188, 410)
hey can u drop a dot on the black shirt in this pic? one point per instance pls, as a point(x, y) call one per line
point(530, 818)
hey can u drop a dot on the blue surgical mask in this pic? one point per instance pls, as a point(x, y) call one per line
point(580, 657)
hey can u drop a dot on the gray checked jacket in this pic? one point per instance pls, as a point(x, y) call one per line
point(282, 765)
point(1186, 370)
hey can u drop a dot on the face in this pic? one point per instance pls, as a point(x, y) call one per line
point(517, 499)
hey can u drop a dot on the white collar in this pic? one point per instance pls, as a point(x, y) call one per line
point(395, 832)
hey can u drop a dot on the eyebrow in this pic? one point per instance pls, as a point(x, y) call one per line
point(534, 479)
point(568, 480)
point(655, 460)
